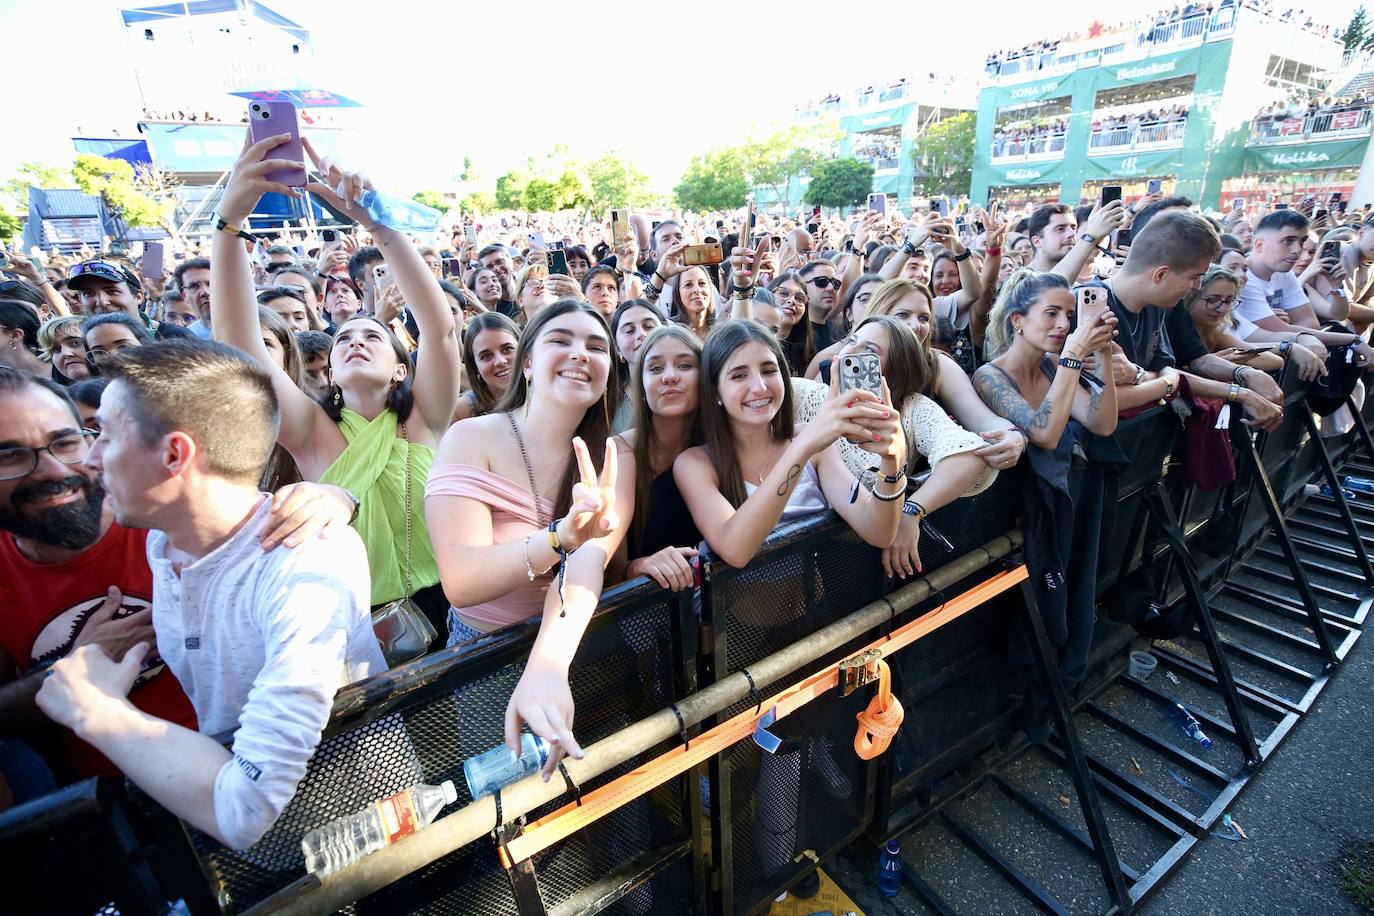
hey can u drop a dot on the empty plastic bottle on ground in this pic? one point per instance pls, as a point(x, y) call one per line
point(1188, 724)
point(497, 768)
point(890, 870)
point(338, 843)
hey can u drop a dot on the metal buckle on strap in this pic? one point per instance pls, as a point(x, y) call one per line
point(860, 670)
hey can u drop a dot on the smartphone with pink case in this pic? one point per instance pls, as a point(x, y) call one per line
point(266, 119)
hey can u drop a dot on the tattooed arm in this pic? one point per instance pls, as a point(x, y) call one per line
point(1043, 425)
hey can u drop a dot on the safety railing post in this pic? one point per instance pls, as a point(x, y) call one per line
point(524, 884)
point(1262, 488)
point(1338, 494)
point(1048, 664)
point(1194, 592)
point(1361, 426)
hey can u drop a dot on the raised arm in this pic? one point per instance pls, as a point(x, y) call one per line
point(1099, 224)
point(234, 307)
point(437, 375)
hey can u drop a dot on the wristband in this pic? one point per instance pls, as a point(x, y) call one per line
point(1234, 393)
point(959, 258)
point(908, 248)
point(1285, 347)
point(913, 508)
point(1069, 362)
point(1238, 377)
point(889, 497)
point(554, 540)
point(222, 226)
point(995, 252)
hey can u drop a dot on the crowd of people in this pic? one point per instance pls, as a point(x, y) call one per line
point(1303, 112)
point(216, 484)
point(1168, 25)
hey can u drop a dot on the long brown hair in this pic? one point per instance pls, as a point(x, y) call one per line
point(482, 396)
point(800, 342)
point(725, 338)
point(642, 420)
point(910, 367)
point(595, 425)
point(399, 399)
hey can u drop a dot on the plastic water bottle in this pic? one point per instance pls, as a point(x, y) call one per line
point(1326, 491)
point(498, 768)
point(399, 213)
point(338, 843)
point(890, 870)
point(1362, 484)
point(1188, 724)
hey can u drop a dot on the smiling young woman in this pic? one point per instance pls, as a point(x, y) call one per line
point(519, 526)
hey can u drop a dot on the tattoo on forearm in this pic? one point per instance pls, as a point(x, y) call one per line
point(793, 475)
point(1005, 401)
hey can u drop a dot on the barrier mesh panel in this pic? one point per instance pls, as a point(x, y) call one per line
point(624, 671)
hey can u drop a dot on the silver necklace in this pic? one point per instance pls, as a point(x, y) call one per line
point(769, 466)
point(529, 472)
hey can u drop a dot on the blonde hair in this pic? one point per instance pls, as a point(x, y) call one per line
point(53, 330)
point(527, 273)
point(1021, 291)
point(886, 297)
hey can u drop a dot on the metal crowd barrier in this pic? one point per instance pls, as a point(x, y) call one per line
point(650, 656)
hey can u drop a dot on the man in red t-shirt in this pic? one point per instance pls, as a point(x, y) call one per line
point(71, 576)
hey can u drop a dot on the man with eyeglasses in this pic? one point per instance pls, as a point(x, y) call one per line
point(193, 279)
point(71, 576)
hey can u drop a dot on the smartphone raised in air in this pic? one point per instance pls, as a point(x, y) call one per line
point(1110, 192)
point(1154, 186)
point(861, 372)
point(1331, 249)
point(940, 205)
point(558, 262)
point(381, 279)
point(620, 226)
point(1092, 301)
point(266, 119)
point(878, 203)
point(701, 255)
point(150, 268)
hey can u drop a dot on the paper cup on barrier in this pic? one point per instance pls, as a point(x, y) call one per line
point(1143, 665)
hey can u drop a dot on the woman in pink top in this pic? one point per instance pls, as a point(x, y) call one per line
point(506, 502)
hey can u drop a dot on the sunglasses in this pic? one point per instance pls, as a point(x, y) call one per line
point(104, 270)
point(824, 282)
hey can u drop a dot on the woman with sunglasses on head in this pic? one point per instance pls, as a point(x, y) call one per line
point(489, 344)
point(1212, 307)
point(524, 519)
point(374, 433)
point(663, 401)
point(910, 371)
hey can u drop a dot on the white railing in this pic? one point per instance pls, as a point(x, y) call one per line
point(1035, 149)
point(1156, 135)
point(1328, 125)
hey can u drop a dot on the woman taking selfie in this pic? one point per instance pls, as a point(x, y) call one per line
point(1038, 383)
point(663, 411)
point(489, 343)
point(374, 433)
point(756, 469)
point(956, 469)
point(523, 519)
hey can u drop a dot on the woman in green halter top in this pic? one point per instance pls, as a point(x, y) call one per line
point(381, 417)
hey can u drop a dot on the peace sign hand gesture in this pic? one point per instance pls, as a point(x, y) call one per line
point(592, 513)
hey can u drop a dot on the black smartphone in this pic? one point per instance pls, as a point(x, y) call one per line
point(1110, 193)
point(1123, 238)
point(1280, 206)
point(329, 236)
point(1331, 249)
point(558, 262)
point(1337, 196)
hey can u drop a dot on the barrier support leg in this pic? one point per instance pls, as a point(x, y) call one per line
point(524, 884)
point(1102, 848)
point(1361, 427)
point(1338, 494)
point(1221, 668)
point(1262, 488)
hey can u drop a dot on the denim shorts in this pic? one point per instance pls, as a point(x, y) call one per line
point(460, 632)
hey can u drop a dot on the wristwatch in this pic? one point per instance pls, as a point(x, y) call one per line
point(1139, 375)
point(1088, 237)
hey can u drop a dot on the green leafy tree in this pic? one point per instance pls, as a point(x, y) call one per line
point(35, 175)
point(573, 191)
point(510, 190)
point(614, 182)
point(541, 196)
point(113, 179)
point(433, 199)
point(713, 181)
point(1357, 36)
point(840, 183)
point(945, 156)
point(477, 202)
point(775, 161)
point(10, 225)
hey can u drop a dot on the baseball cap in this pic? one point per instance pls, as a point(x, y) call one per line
point(101, 269)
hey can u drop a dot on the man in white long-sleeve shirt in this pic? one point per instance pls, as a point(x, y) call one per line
point(260, 641)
